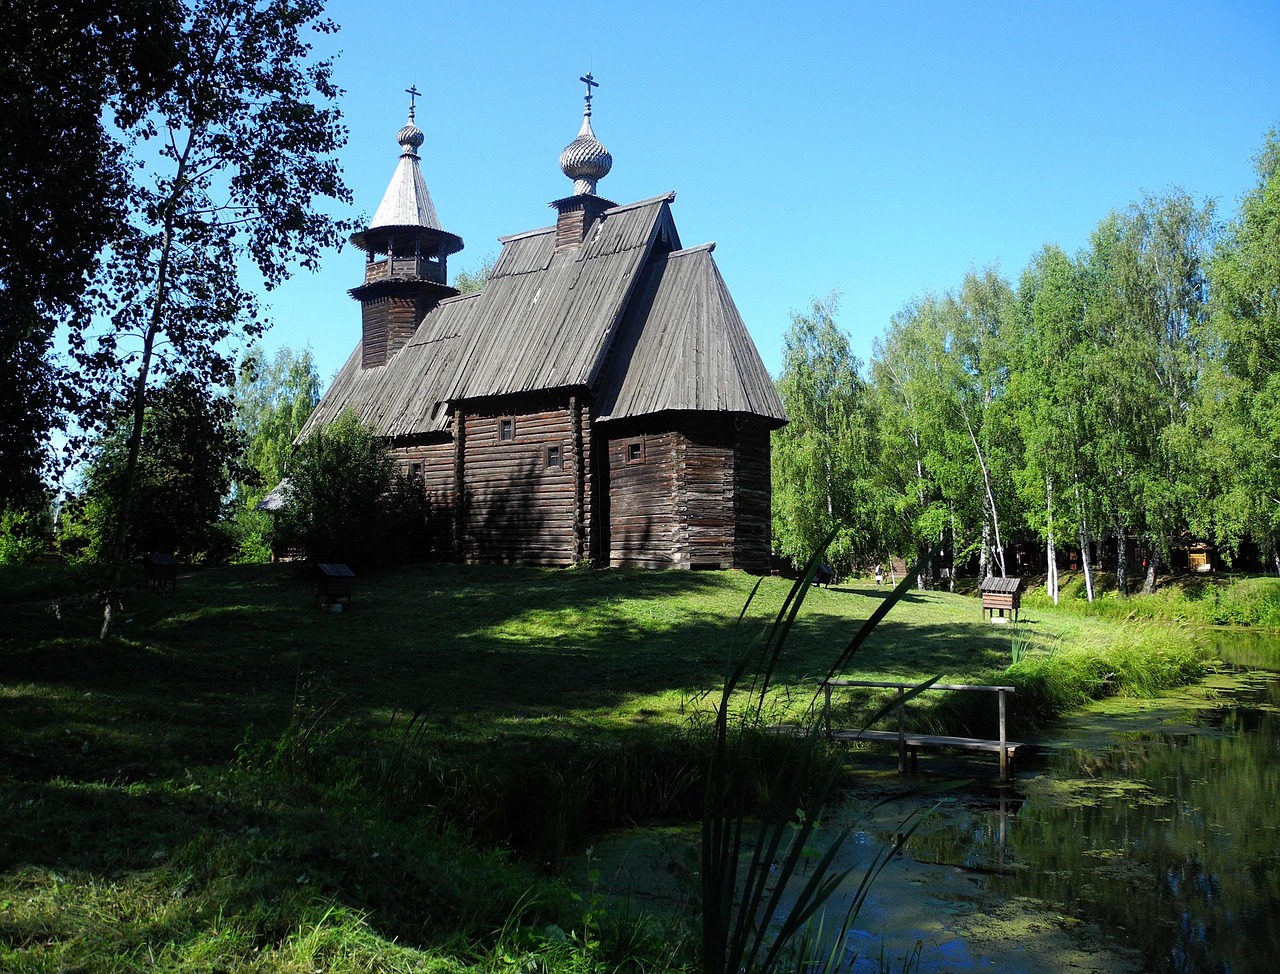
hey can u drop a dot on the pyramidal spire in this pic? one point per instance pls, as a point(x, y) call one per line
point(585, 160)
point(407, 201)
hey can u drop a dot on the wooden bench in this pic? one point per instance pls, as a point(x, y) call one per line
point(909, 742)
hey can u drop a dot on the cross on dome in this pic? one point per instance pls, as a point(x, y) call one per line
point(585, 160)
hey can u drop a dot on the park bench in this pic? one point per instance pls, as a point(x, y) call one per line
point(910, 742)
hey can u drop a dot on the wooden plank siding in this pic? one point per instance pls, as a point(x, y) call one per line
point(699, 498)
point(433, 463)
point(642, 515)
point(518, 505)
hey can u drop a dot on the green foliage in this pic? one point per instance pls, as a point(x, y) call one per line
point(940, 373)
point(61, 66)
point(477, 277)
point(824, 459)
point(344, 503)
point(22, 536)
point(188, 459)
point(273, 400)
point(1242, 368)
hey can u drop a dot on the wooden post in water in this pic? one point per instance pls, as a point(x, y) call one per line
point(902, 735)
point(1004, 750)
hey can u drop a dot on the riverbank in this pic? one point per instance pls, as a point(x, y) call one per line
point(400, 785)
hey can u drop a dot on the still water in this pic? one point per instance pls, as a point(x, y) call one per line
point(1156, 822)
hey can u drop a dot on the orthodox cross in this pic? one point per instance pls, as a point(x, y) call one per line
point(590, 84)
point(413, 92)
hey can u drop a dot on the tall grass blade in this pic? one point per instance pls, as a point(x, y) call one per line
point(745, 882)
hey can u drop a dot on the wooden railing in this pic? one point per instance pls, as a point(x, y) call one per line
point(909, 741)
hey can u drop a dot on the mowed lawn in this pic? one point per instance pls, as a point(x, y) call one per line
point(479, 654)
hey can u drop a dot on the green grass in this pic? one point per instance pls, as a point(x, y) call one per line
point(239, 781)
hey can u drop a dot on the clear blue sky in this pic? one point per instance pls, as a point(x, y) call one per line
point(878, 149)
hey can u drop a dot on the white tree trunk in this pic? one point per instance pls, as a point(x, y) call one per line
point(1085, 563)
point(1050, 553)
point(1122, 565)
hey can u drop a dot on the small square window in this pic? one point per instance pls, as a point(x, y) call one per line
point(415, 470)
point(634, 451)
point(554, 461)
point(506, 430)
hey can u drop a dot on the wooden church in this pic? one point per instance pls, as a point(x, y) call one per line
point(599, 399)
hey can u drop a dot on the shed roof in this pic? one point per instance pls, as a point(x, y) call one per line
point(1008, 585)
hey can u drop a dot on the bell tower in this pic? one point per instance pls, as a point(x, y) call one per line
point(406, 256)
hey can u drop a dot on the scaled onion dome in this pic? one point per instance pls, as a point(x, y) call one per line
point(585, 160)
point(410, 137)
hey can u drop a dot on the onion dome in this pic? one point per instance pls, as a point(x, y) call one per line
point(585, 160)
point(410, 137)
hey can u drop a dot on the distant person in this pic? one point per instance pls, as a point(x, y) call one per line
point(879, 574)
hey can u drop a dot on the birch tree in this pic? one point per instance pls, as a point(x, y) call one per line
point(231, 166)
point(825, 458)
point(1241, 395)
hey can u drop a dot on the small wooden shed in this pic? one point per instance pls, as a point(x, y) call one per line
point(333, 584)
point(1002, 595)
point(160, 570)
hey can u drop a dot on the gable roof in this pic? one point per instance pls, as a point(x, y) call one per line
point(572, 318)
point(683, 346)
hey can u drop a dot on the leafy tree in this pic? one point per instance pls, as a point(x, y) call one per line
point(1241, 392)
point(903, 382)
point(231, 164)
point(334, 500)
point(1053, 405)
point(273, 400)
point(65, 189)
point(477, 277)
point(824, 459)
point(942, 370)
point(1147, 298)
point(190, 456)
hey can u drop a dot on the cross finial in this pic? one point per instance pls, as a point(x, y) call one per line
point(590, 84)
point(413, 92)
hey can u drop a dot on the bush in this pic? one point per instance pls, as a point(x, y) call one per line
point(22, 537)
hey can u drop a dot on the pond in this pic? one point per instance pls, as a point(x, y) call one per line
point(1145, 836)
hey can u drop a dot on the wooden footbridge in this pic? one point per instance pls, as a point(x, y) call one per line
point(909, 742)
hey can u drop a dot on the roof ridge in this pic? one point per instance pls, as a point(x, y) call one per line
point(525, 233)
point(668, 197)
point(709, 246)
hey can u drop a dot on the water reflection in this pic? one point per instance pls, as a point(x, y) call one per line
point(1168, 840)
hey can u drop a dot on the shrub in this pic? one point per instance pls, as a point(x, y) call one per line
point(21, 537)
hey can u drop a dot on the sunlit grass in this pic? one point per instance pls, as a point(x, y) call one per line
point(240, 781)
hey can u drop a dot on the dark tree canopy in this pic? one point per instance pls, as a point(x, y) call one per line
point(64, 190)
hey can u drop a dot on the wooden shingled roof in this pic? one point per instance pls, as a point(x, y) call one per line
point(645, 326)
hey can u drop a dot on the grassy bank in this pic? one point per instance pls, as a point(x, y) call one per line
point(1208, 599)
point(242, 782)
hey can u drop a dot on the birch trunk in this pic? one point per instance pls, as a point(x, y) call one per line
point(1122, 566)
point(998, 548)
point(1050, 553)
point(1153, 568)
point(1085, 563)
